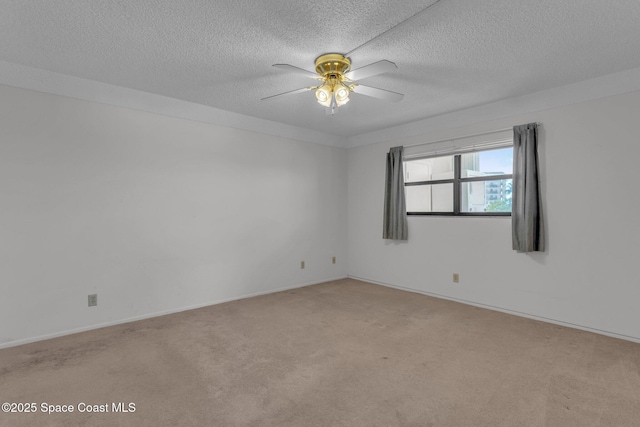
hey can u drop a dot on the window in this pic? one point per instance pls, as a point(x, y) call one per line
point(469, 183)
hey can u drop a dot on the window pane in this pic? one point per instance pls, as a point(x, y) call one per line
point(491, 162)
point(486, 196)
point(428, 169)
point(429, 198)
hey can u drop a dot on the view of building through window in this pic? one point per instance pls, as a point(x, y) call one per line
point(493, 195)
point(484, 180)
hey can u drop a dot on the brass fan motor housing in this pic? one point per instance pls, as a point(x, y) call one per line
point(333, 63)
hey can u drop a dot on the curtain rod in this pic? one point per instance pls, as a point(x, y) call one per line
point(463, 136)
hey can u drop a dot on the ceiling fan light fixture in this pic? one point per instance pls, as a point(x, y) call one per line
point(341, 92)
point(324, 94)
point(332, 68)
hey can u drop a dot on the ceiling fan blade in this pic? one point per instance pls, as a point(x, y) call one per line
point(297, 70)
point(420, 12)
point(291, 92)
point(374, 92)
point(370, 70)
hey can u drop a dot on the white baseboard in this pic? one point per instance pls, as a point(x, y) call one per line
point(255, 294)
point(505, 310)
point(156, 314)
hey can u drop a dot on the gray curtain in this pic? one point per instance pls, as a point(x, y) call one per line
point(395, 211)
point(526, 217)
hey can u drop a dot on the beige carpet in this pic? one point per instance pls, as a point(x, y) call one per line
point(344, 353)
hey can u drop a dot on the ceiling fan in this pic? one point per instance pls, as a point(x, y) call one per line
point(337, 81)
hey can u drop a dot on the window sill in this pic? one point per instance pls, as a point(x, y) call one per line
point(463, 215)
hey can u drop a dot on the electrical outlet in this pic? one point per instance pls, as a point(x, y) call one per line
point(333, 260)
point(456, 278)
point(93, 300)
point(302, 265)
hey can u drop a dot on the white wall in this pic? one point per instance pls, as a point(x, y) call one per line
point(590, 155)
point(158, 214)
point(153, 213)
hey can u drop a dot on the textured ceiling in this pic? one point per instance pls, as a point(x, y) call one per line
point(458, 54)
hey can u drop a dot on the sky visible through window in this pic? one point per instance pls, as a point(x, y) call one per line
point(497, 161)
